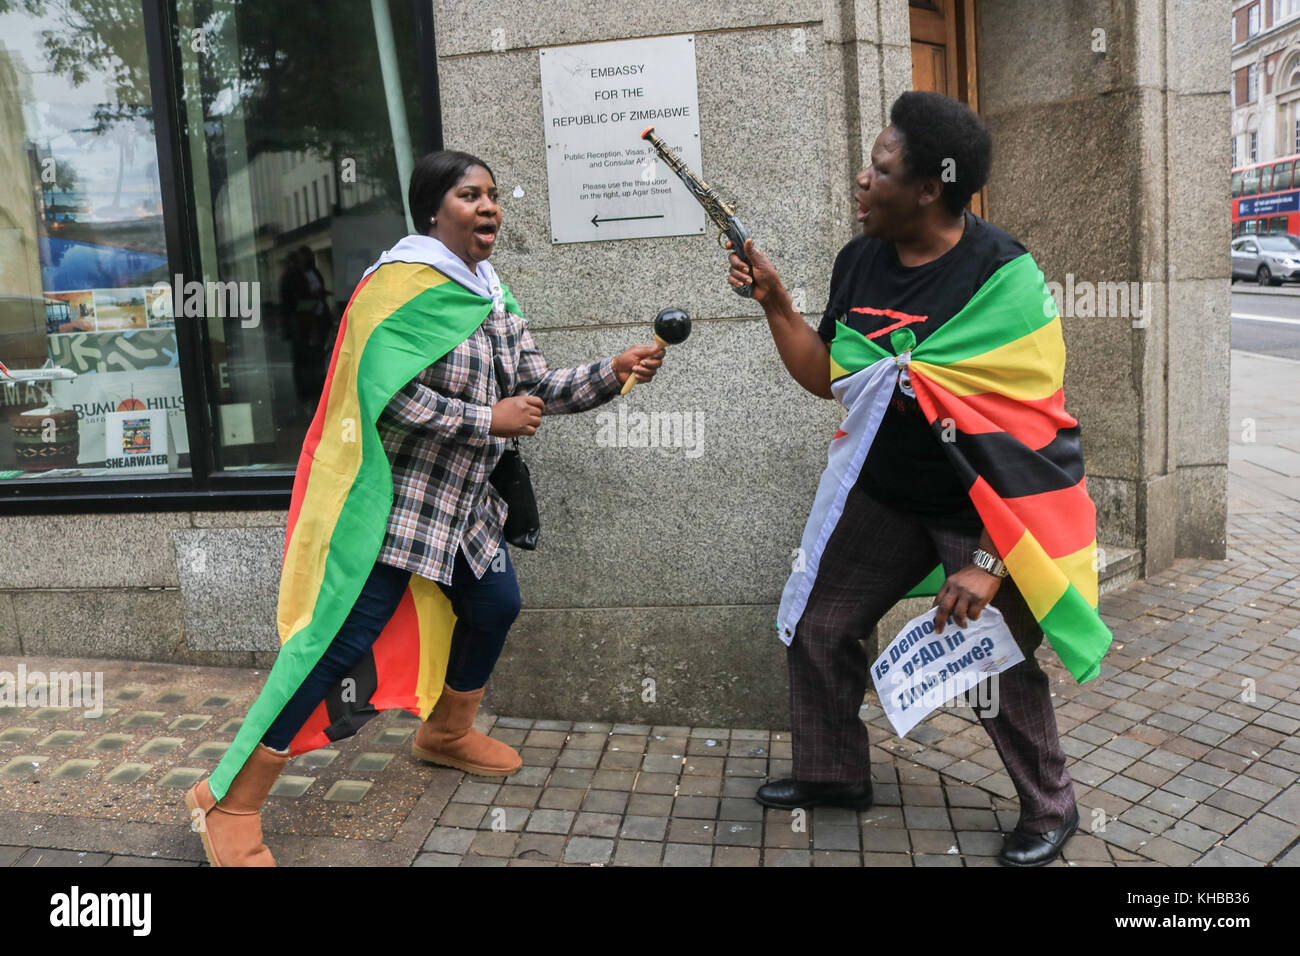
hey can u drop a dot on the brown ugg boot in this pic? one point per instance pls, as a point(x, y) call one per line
point(448, 738)
point(231, 829)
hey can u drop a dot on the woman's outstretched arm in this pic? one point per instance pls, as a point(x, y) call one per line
point(577, 389)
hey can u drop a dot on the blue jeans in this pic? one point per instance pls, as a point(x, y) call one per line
point(485, 608)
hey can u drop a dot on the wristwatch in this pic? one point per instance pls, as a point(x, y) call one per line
point(987, 562)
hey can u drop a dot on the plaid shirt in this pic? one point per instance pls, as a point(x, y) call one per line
point(435, 432)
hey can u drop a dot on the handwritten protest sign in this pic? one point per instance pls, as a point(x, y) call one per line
point(921, 670)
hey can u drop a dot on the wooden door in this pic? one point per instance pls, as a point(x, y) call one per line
point(943, 58)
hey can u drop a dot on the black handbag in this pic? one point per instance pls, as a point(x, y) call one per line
point(510, 479)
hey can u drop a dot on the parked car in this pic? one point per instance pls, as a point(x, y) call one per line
point(1269, 260)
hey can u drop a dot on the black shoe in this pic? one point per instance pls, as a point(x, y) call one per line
point(1037, 849)
point(791, 794)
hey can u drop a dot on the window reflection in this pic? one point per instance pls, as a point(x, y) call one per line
point(93, 384)
point(297, 189)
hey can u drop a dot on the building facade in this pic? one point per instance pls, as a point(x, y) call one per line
point(1265, 87)
point(262, 153)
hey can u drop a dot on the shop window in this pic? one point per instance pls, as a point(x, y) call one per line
point(311, 88)
point(235, 183)
point(86, 325)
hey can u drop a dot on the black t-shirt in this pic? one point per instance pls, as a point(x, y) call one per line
point(873, 293)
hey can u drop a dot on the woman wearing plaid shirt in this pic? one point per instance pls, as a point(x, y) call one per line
point(444, 433)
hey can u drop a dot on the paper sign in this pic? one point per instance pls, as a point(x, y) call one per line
point(136, 441)
point(920, 670)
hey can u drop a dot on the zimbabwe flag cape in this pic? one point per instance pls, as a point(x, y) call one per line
point(404, 316)
point(990, 381)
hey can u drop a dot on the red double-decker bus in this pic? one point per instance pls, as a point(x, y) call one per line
point(1266, 198)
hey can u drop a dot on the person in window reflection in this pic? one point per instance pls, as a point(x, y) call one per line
point(288, 294)
point(397, 590)
point(307, 324)
point(317, 296)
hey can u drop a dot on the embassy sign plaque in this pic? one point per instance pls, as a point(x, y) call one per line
point(605, 182)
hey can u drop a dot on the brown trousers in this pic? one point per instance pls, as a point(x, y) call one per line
point(873, 558)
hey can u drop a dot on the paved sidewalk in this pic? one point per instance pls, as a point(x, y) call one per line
point(1184, 752)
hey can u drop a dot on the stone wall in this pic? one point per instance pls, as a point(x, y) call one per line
point(1111, 166)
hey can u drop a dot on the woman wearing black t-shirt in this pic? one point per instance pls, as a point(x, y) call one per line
point(918, 261)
